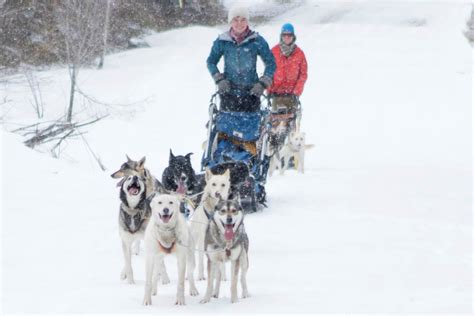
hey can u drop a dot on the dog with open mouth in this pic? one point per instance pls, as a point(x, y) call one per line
point(134, 216)
point(180, 177)
point(226, 240)
point(131, 168)
point(168, 233)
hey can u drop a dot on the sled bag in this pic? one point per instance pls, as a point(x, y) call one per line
point(243, 126)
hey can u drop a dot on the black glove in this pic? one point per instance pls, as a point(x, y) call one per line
point(223, 85)
point(263, 83)
point(257, 89)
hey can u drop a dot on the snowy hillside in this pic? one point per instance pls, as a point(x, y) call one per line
point(379, 223)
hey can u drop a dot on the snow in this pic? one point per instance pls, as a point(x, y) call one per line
point(379, 223)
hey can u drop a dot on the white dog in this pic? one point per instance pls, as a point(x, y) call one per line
point(168, 233)
point(134, 216)
point(294, 148)
point(217, 187)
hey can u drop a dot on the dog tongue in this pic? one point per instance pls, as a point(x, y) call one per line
point(133, 191)
point(229, 232)
point(181, 188)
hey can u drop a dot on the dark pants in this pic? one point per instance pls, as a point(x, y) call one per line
point(233, 103)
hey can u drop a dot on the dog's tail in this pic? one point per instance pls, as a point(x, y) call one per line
point(309, 146)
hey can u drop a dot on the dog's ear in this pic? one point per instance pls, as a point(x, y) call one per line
point(171, 156)
point(117, 174)
point(141, 163)
point(226, 173)
point(208, 174)
point(188, 157)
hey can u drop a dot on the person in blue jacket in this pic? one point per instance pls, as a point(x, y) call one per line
point(239, 86)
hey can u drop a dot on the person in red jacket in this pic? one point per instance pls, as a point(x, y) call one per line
point(291, 72)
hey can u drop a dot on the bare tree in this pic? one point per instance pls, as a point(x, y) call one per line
point(80, 23)
point(35, 89)
point(106, 32)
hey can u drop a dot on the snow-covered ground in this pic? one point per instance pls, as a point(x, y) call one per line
point(380, 222)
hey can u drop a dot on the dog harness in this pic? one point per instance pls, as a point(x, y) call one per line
point(138, 219)
point(228, 245)
point(169, 233)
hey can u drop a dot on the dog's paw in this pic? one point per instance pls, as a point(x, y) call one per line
point(245, 294)
point(193, 291)
point(147, 300)
point(130, 280)
point(179, 300)
point(154, 292)
point(234, 299)
point(223, 278)
point(205, 300)
point(215, 295)
point(201, 278)
point(123, 275)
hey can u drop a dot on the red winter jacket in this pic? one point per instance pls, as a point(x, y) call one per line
point(291, 72)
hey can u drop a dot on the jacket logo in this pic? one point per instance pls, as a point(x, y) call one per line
point(246, 49)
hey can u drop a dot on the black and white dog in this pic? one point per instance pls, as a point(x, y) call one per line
point(181, 178)
point(134, 216)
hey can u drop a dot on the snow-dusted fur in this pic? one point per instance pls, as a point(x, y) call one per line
point(168, 233)
point(217, 187)
point(226, 240)
point(294, 148)
point(134, 215)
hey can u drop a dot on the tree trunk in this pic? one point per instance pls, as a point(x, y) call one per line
point(106, 30)
point(71, 96)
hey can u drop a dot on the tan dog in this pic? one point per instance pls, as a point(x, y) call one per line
point(217, 187)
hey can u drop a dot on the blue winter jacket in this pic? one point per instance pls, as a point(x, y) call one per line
point(240, 60)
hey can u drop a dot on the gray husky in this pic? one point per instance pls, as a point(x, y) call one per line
point(226, 240)
point(131, 168)
point(134, 216)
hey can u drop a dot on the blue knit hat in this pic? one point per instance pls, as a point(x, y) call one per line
point(287, 28)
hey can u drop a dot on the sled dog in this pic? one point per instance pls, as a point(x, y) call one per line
point(294, 148)
point(226, 240)
point(134, 215)
point(168, 233)
point(217, 187)
point(132, 167)
point(181, 178)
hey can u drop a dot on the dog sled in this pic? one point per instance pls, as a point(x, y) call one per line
point(237, 141)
